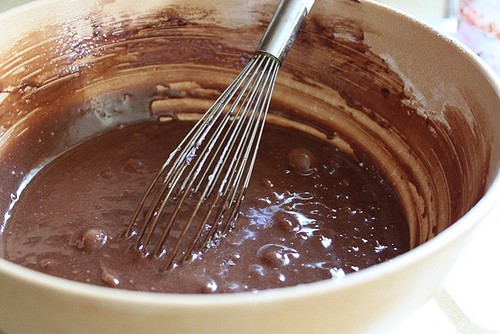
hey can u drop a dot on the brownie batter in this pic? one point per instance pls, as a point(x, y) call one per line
point(311, 213)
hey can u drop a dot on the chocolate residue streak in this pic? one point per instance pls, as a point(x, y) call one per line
point(110, 69)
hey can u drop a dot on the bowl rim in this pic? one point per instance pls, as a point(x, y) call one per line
point(462, 226)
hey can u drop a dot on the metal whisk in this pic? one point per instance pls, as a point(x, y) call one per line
point(195, 198)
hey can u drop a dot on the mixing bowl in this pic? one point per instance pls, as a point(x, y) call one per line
point(374, 82)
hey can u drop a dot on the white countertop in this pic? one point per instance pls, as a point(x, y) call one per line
point(469, 302)
point(7, 4)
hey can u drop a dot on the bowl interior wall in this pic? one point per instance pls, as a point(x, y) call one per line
point(109, 67)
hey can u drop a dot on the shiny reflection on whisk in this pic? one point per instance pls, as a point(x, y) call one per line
point(195, 197)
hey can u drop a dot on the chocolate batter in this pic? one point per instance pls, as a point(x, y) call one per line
point(311, 213)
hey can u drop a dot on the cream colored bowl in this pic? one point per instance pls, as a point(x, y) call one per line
point(377, 82)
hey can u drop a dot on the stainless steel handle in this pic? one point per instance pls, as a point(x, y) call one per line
point(285, 24)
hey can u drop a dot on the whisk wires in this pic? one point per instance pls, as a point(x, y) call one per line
point(195, 197)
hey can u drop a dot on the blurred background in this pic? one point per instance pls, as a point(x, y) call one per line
point(469, 302)
point(6, 4)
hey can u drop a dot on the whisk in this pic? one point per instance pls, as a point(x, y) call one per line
point(194, 199)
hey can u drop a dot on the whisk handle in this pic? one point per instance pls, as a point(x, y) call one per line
point(284, 25)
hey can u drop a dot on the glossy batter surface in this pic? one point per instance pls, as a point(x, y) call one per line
point(311, 213)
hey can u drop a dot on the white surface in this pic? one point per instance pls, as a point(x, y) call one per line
point(474, 282)
point(469, 302)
